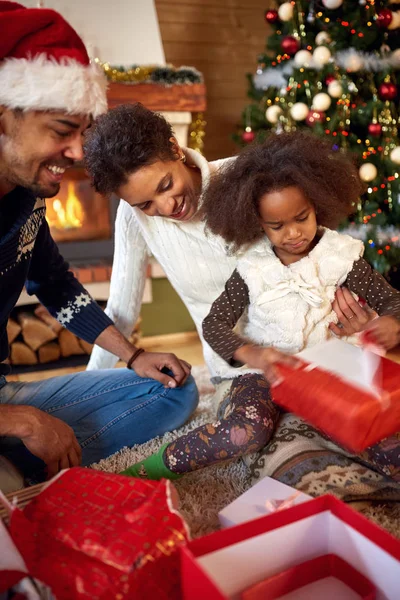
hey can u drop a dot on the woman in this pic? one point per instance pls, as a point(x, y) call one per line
point(131, 151)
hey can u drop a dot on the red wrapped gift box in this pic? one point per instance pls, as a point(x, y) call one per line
point(314, 570)
point(223, 565)
point(355, 417)
point(94, 535)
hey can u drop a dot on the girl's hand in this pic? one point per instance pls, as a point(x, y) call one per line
point(352, 318)
point(265, 359)
point(384, 331)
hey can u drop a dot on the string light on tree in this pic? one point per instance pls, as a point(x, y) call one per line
point(314, 117)
point(285, 11)
point(368, 172)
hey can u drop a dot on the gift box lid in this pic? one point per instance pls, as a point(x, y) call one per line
point(253, 503)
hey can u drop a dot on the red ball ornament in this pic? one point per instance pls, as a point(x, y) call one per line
point(329, 79)
point(384, 18)
point(271, 16)
point(387, 91)
point(375, 129)
point(248, 136)
point(314, 117)
point(290, 45)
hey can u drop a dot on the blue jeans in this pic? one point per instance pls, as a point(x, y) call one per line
point(107, 410)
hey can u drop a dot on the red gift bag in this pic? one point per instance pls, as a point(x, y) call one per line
point(94, 535)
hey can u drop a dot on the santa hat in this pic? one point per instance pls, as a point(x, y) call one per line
point(44, 64)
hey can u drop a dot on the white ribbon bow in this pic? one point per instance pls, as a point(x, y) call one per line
point(294, 284)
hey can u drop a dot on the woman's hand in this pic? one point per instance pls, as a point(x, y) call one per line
point(384, 331)
point(265, 359)
point(352, 318)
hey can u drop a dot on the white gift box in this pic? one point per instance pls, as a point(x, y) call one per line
point(225, 564)
point(256, 502)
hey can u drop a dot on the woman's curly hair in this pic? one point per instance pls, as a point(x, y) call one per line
point(328, 179)
point(122, 141)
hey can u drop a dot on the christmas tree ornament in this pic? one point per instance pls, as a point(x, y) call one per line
point(368, 172)
point(299, 111)
point(321, 56)
point(375, 129)
point(329, 79)
point(362, 2)
point(322, 38)
point(321, 102)
point(384, 18)
point(353, 62)
point(335, 88)
point(248, 135)
point(314, 117)
point(290, 45)
point(271, 16)
point(395, 56)
point(395, 22)
point(387, 91)
point(285, 11)
point(395, 155)
point(332, 4)
point(303, 58)
point(273, 113)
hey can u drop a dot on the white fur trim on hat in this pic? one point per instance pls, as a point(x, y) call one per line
point(45, 84)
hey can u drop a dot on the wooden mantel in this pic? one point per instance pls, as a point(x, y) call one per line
point(176, 98)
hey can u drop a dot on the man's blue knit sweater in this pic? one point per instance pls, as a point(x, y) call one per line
point(29, 257)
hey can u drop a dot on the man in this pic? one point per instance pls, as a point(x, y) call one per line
point(49, 93)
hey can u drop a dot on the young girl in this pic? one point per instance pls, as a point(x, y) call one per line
point(275, 206)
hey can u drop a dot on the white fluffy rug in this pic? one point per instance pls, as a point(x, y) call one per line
point(205, 492)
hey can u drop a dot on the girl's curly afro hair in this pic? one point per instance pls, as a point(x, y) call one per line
point(328, 179)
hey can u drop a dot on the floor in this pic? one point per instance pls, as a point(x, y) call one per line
point(184, 345)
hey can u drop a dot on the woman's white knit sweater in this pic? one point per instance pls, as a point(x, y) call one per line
point(195, 263)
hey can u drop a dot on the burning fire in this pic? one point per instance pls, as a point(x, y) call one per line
point(66, 214)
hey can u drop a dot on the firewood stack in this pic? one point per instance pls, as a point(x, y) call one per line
point(38, 338)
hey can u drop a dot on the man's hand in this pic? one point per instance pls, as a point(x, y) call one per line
point(52, 440)
point(265, 359)
point(352, 317)
point(384, 331)
point(151, 364)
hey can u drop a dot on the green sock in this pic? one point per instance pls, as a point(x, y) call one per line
point(152, 467)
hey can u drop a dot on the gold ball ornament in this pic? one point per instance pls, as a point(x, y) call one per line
point(335, 89)
point(368, 172)
point(321, 56)
point(273, 113)
point(303, 58)
point(322, 37)
point(285, 11)
point(395, 155)
point(321, 101)
point(299, 111)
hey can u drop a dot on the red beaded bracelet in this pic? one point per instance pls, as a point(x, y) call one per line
point(134, 357)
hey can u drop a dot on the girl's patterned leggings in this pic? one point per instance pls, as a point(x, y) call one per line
point(248, 426)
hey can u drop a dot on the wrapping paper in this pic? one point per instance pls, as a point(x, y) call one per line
point(93, 535)
point(355, 416)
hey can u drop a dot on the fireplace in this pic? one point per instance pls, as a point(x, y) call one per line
point(81, 220)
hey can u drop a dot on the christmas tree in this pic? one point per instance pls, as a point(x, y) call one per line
point(330, 66)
